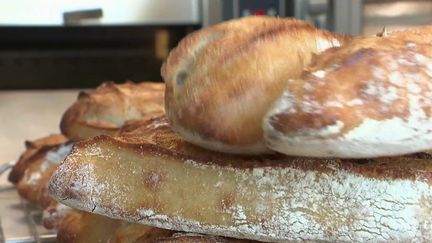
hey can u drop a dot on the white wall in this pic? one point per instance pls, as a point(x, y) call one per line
point(50, 12)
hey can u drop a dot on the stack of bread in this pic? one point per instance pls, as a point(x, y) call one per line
point(111, 110)
point(273, 131)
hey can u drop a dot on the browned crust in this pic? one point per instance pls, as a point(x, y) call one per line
point(420, 34)
point(86, 227)
point(350, 73)
point(36, 190)
point(197, 238)
point(105, 109)
point(130, 232)
point(35, 151)
point(155, 138)
point(232, 72)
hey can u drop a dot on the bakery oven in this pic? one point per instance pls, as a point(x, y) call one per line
point(78, 44)
point(342, 16)
point(371, 16)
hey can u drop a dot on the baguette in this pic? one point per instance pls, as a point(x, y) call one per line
point(220, 81)
point(35, 152)
point(92, 228)
point(33, 186)
point(158, 179)
point(105, 109)
point(369, 98)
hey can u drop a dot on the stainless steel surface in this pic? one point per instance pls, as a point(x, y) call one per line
point(49, 12)
point(395, 14)
point(348, 16)
point(28, 115)
point(370, 16)
point(211, 12)
point(80, 16)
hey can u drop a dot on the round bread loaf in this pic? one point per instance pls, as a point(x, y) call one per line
point(105, 109)
point(369, 98)
point(221, 81)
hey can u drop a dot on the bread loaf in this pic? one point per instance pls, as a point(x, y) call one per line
point(369, 98)
point(220, 81)
point(165, 182)
point(35, 153)
point(105, 109)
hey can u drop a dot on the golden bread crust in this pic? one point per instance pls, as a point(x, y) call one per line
point(86, 227)
point(369, 98)
point(54, 214)
point(33, 187)
point(196, 238)
point(166, 183)
point(105, 109)
point(91, 228)
point(221, 80)
point(41, 160)
point(35, 151)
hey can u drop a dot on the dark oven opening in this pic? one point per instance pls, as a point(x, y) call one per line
point(84, 56)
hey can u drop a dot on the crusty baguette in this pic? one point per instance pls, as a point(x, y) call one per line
point(35, 151)
point(92, 228)
point(33, 186)
point(79, 227)
point(369, 98)
point(420, 34)
point(221, 80)
point(197, 238)
point(161, 180)
point(136, 233)
point(105, 109)
point(54, 214)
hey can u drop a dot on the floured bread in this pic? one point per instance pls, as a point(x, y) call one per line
point(221, 80)
point(105, 109)
point(54, 214)
point(33, 186)
point(369, 98)
point(162, 181)
point(35, 152)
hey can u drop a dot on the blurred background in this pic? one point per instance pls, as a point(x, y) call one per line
point(51, 44)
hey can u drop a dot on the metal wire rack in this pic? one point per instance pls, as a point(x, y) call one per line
point(20, 221)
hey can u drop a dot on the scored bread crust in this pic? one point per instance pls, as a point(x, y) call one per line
point(163, 181)
point(369, 98)
point(105, 109)
point(35, 152)
point(220, 81)
point(33, 185)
